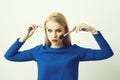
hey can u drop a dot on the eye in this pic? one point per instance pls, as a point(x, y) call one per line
point(59, 30)
point(49, 30)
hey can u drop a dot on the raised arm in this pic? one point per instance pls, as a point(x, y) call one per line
point(13, 53)
point(87, 54)
point(28, 33)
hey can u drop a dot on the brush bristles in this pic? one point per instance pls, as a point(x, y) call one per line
point(62, 37)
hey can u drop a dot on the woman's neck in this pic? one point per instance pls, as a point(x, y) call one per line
point(57, 45)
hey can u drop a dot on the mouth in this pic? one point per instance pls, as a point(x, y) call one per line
point(54, 40)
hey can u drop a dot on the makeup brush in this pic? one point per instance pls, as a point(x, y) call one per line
point(64, 35)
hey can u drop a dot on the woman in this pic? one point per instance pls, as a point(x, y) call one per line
point(58, 59)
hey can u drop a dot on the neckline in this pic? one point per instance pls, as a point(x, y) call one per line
point(62, 49)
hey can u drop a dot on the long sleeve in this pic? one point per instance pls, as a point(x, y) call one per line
point(104, 52)
point(13, 53)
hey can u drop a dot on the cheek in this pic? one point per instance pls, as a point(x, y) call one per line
point(48, 35)
point(60, 34)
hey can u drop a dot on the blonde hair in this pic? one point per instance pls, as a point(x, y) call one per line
point(59, 18)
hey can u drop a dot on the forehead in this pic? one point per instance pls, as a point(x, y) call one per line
point(53, 25)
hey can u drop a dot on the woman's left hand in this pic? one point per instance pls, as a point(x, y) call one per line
point(86, 28)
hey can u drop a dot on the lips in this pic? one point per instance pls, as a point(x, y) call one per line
point(54, 40)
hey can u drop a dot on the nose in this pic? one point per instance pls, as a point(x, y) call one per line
point(54, 35)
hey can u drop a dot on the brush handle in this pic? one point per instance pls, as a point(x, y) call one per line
point(40, 27)
point(69, 32)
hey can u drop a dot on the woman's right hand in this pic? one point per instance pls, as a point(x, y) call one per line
point(31, 29)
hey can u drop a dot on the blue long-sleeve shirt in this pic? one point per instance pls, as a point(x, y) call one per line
point(59, 63)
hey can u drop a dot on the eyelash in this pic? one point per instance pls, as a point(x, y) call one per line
point(49, 30)
point(58, 30)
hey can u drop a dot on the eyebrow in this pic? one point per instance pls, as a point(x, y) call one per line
point(51, 28)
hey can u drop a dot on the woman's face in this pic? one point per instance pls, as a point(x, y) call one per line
point(54, 31)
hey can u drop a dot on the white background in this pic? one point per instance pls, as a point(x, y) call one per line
point(17, 15)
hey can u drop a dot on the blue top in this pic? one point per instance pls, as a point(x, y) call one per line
point(59, 63)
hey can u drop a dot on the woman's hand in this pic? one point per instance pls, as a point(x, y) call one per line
point(86, 28)
point(31, 29)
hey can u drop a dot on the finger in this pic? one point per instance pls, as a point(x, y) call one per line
point(30, 28)
point(83, 27)
point(77, 28)
point(34, 26)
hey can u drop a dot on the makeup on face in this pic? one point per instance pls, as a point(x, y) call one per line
point(61, 37)
point(54, 31)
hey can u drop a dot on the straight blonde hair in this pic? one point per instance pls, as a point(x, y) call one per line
point(59, 18)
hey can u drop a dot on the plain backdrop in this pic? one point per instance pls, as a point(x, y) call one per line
point(17, 15)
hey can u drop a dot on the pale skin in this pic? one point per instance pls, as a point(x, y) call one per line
point(54, 31)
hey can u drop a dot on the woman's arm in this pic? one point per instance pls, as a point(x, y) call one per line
point(28, 33)
point(13, 52)
point(105, 50)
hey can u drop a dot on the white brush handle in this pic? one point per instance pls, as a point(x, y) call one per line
point(40, 26)
point(69, 32)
